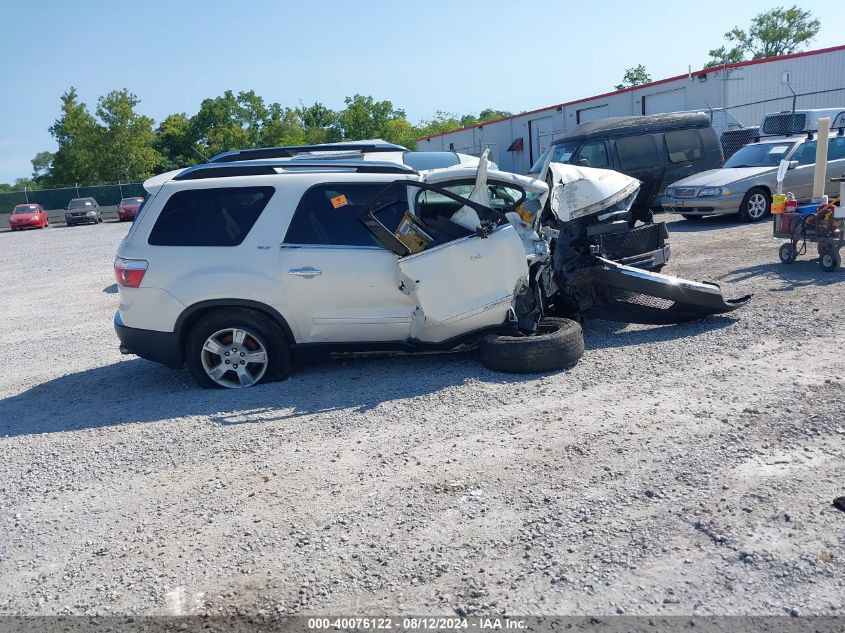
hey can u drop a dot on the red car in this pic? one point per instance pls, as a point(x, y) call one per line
point(128, 208)
point(28, 216)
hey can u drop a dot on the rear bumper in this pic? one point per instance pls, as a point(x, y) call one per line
point(159, 347)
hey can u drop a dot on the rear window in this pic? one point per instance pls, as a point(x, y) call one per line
point(209, 217)
point(637, 152)
point(684, 146)
point(328, 214)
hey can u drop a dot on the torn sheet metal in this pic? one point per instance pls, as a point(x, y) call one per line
point(581, 191)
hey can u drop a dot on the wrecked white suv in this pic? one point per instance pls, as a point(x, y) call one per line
point(238, 266)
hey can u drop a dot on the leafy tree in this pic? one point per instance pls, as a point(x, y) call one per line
point(283, 127)
point(220, 125)
point(365, 118)
point(441, 122)
point(635, 76)
point(125, 139)
point(175, 143)
point(321, 123)
point(42, 163)
point(75, 131)
point(780, 31)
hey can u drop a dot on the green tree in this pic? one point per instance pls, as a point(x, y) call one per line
point(780, 31)
point(126, 139)
point(635, 76)
point(321, 123)
point(175, 143)
point(365, 118)
point(219, 125)
point(282, 127)
point(42, 163)
point(75, 131)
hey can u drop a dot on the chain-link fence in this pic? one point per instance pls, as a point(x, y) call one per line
point(52, 199)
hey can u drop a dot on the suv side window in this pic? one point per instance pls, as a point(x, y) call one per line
point(594, 152)
point(684, 146)
point(636, 152)
point(209, 217)
point(328, 214)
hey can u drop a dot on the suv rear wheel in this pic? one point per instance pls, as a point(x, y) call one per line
point(236, 348)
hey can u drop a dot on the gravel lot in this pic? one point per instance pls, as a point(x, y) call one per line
point(676, 470)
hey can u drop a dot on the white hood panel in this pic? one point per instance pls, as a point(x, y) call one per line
point(580, 191)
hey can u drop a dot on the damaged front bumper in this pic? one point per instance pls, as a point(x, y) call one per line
point(626, 293)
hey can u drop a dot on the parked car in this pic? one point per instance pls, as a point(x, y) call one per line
point(28, 216)
point(745, 183)
point(240, 265)
point(127, 209)
point(655, 149)
point(83, 211)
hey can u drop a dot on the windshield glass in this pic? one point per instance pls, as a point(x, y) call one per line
point(563, 153)
point(760, 155)
point(79, 204)
point(29, 209)
point(132, 201)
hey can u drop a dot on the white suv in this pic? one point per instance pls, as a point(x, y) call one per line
point(236, 266)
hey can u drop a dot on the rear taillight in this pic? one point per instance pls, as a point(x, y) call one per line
point(129, 272)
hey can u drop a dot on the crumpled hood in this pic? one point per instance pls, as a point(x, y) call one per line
point(723, 176)
point(580, 191)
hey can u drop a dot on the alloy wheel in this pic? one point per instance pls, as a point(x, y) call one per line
point(234, 358)
point(756, 206)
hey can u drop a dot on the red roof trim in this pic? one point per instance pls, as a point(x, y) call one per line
point(695, 73)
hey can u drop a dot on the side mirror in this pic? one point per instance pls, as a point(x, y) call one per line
point(793, 164)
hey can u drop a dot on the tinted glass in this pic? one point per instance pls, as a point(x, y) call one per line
point(760, 155)
point(563, 153)
point(684, 146)
point(328, 214)
point(429, 204)
point(806, 154)
point(836, 148)
point(637, 152)
point(593, 153)
point(80, 204)
point(209, 217)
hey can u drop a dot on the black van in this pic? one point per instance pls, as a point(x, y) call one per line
point(656, 149)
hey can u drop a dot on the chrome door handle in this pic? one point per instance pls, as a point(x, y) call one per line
point(306, 272)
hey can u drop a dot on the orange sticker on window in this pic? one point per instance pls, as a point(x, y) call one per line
point(339, 201)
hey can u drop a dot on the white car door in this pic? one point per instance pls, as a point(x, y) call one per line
point(338, 284)
point(463, 281)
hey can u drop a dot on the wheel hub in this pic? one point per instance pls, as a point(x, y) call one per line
point(234, 358)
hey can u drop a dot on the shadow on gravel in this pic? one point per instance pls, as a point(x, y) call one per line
point(599, 334)
point(140, 391)
point(110, 290)
point(804, 272)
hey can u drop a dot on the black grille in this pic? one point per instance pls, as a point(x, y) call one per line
point(641, 239)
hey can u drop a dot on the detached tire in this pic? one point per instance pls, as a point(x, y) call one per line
point(558, 344)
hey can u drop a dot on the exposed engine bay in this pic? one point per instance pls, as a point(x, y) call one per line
point(584, 254)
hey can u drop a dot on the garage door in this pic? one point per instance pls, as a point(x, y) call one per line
point(591, 114)
point(671, 101)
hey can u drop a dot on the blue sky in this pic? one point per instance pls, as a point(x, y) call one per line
point(457, 56)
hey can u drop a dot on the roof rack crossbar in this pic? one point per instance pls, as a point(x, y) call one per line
point(224, 170)
point(292, 150)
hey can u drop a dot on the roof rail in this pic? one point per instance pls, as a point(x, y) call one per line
point(224, 170)
point(292, 150)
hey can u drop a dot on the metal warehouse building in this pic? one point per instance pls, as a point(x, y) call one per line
point(735, 95)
